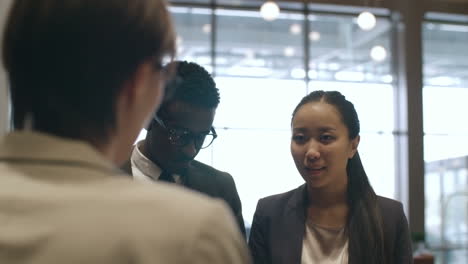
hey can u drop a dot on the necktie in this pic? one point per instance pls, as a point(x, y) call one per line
point(166, 176)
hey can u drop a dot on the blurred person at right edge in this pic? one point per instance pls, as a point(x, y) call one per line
point(335, 217)
point(85, 76)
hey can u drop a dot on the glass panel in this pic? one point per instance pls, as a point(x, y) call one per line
point(257, 103)
point(456, 213)
point(443, 66)
point(259, 3)
point(373, 102)
point(249, 46)
point(441, 107)
point(259, 160)
point(458, 256)
point(341, 51)
point(445, 142)
point(243, 3)
point(346, 9)
point(433, 207)
point(259, 69)
point(377, 155)
point(189, 1)
point(451, 256)
point(193, 27)
point(440, 147)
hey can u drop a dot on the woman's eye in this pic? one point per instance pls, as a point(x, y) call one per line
point(326, 138)
point(298, 138)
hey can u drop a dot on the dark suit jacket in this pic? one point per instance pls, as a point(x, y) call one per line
point(278, 229)
point(210, 181)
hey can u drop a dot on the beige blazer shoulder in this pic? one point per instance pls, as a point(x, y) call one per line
point(52, 215)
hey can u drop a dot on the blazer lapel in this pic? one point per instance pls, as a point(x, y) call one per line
point(193, 180)
point(196, 178)
point(294, 226)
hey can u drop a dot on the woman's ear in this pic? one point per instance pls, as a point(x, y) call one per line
point(353, 146)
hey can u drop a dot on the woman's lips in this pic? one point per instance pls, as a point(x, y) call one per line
point(315, 171)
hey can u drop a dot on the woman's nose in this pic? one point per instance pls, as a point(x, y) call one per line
point(313, 152)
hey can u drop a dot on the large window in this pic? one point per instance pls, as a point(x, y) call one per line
point(445, 96)
point(255, 60)
point(357, 63)
point(260, 68)
point(194, 29)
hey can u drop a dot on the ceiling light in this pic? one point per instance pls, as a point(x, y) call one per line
point(322, 66)
point(206, 28)
point(295, 29)
point(387, 78)
point(289, 51)
point(313, 74)
point(378, 53)
point(297, 73)
point(366, 20)
point(269, 11)
point(314, 36)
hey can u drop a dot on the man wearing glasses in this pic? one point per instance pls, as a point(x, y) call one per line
point(178, 131)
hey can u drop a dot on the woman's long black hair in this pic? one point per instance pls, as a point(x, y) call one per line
point(364, 223)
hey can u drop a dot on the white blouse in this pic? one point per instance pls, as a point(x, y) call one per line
point(324, 245)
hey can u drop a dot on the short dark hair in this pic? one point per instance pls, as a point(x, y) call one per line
point(191, 84)
point(68, 60)
point(364, 224)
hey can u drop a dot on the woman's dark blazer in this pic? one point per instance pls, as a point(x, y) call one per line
point(278, 229)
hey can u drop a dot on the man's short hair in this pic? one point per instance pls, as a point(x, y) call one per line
point(192, 84)
point(68, 60)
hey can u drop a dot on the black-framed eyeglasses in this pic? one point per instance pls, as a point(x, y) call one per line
point(181, 137)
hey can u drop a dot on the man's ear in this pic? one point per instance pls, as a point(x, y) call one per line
point(354, 146)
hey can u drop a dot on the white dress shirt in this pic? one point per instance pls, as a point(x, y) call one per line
point(144, 170)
